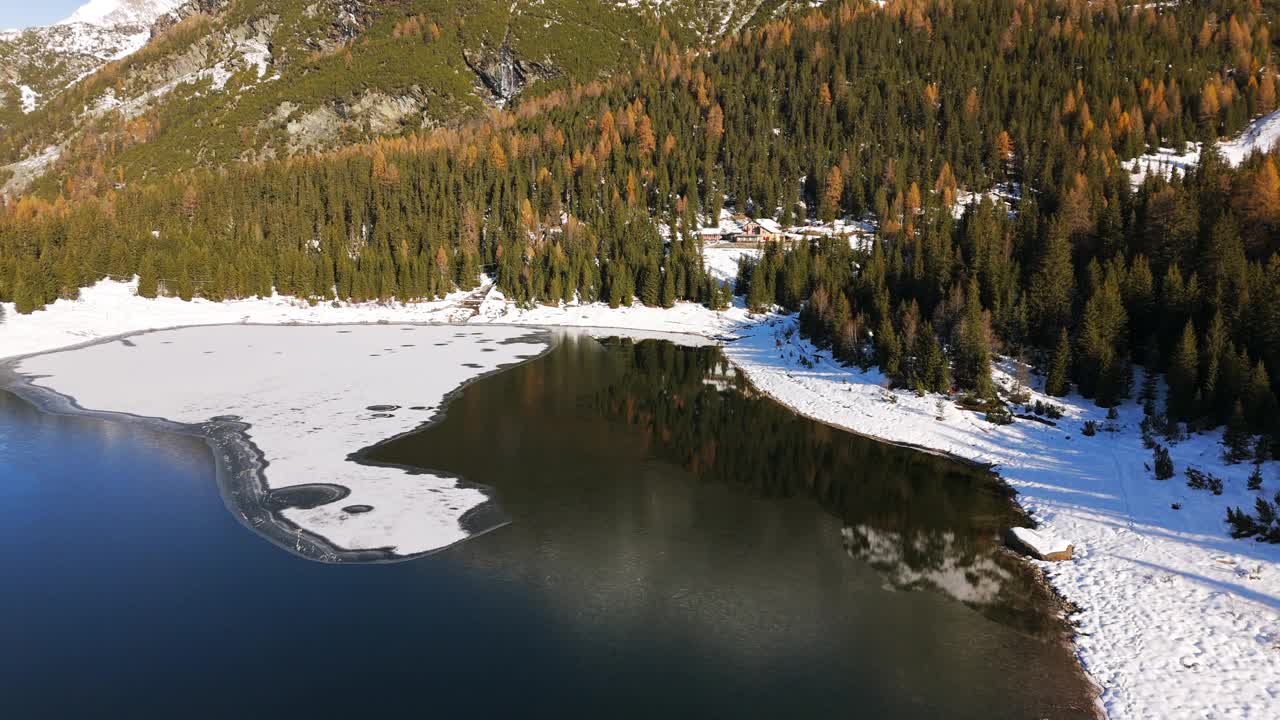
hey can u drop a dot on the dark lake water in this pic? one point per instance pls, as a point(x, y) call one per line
point(678, 546)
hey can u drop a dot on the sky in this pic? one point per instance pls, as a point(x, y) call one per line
point(25, 13)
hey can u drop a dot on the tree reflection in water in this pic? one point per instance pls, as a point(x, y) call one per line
point(923, 521)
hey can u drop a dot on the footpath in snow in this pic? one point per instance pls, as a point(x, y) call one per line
point(1176, 618)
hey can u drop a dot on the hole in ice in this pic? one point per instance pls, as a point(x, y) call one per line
point(305, 497)
point(383, 408)
point(357, 509)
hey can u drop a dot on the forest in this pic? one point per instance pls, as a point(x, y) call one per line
point(888, 113)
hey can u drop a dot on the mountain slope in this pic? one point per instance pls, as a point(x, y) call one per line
point(110, 13)
point(226, 81)
point(39, 62)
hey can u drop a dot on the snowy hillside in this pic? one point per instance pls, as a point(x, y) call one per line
point(37, 63)
point(107, 13)
point(1260, 136)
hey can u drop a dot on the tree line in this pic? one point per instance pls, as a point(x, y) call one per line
point(892, 113)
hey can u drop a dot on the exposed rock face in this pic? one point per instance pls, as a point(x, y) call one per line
point(186, 10)
point(374, 112)
point(500, 71)
point(503, 73)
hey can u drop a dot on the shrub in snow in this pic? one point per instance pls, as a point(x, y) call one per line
point(999, 416)
point(1264, 524)
point(1053, 411)
point(1112, 413)
point(1261, 450)
point(1148, 440)
point(1164, 463)
point(1255, 478)
point(1200, 480)
point(1090, 428)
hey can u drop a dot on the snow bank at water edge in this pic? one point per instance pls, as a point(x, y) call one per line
point(1176, 618)
point(311, 397)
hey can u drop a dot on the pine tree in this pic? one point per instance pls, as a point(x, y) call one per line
point(1163, 463)
point(1055, 383)
point(1255, 478)
point(1236, 439)
point(832, 194)
point(148, 284)
point(1052, 287)
point(1183, 373)
point(932, 373)
point(668, 296)
point(888, 348)
point(758, 297)
point(651, 290)
point(973, 351)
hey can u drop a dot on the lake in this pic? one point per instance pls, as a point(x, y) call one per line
point(674, 544)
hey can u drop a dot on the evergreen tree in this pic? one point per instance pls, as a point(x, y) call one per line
point(973, 352)
point(1053, 286)
point(1183, 374)
point(1236, 439)
point(1163, 463)
point(147, 281)
point(1059, 367)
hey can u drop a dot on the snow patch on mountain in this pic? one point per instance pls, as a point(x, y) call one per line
point(29, 98)
point(108, 13)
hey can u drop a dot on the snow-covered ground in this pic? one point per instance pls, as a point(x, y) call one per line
point(30, 98)
point(111, 308)
point(312, 396)
point(1176, 618)
point(1261, 135)
point(722, 261)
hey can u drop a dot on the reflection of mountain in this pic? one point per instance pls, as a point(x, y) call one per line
point(932, 560)
point(920, 520)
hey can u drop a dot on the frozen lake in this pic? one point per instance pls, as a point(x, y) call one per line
point(664, 541)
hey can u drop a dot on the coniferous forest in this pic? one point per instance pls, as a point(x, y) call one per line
point(885, 113)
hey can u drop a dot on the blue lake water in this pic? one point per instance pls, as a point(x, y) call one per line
point(677, 546)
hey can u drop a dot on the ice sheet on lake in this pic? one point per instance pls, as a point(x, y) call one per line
point(311, 397)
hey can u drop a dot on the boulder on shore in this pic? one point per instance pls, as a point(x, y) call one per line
point(1039, 545)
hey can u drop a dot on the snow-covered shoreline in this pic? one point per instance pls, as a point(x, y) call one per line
point(1176, 619)
point(284, 408)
